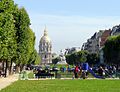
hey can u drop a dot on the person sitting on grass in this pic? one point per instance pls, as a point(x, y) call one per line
point(100, 71)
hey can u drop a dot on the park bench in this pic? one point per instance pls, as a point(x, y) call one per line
point(44, 75)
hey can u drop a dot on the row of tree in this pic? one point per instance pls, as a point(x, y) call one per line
point(16, 38)
point(79, 57)
point(112, 50)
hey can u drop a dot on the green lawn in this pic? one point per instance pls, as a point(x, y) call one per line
point(64, 86)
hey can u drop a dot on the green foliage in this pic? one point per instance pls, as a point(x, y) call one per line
point(7, 6)
point(55, 60)
point(22, 37)
point(31, 75)
point(77, 57)
point(7, 37)
point(17, 40)
point(92, 58)
point(82, 56)
point(25, 37)
point(112, 50)
point(70, 59)
point(34, 58)
point(37, 60)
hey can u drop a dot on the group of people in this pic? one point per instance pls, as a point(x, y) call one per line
point(79, 71)
point(82, 71)
point(42, 73)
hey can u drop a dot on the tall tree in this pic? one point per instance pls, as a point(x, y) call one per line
point(7, 32)
point(112, 50)
point(7, 38)
point(25, 38)
point(16, 38)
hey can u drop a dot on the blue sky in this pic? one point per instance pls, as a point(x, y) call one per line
point(70, 22)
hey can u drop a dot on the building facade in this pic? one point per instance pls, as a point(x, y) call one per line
point(92, 44)
point(45, 49)
point(97, 41)
point(115, 30)
point(104, 36)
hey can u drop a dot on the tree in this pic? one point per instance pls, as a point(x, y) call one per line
point(70, 59)
point(17, 40)
point(112, 50)
point(55, 60)
point(82, 56)
point(25, 38)
point(34, 58)
point(8, 43)
point(92, 58)
point(76, 57)
point(7, 6)
point(7, 38)
point(37, 59)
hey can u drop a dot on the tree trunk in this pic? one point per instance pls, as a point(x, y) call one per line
point(3, 66)
point(21, 67)
point(17, 68)
point(6, 66)
point(10, 68)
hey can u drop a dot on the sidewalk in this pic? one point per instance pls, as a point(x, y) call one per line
point(4, 82)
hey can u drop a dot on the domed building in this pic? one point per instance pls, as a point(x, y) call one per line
point(45, 49)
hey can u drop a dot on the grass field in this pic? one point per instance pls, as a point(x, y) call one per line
point(64, 86)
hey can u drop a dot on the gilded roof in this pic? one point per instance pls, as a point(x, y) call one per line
point(45, 37)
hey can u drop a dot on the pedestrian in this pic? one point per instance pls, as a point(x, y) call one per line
point(76, 70)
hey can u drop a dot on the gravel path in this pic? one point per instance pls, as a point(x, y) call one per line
point(4, 82)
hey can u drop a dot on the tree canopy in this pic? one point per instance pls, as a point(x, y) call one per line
point(17, 39)
point(77, 57)
point(112, 50)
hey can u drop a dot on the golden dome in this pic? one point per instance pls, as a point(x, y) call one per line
point(45, 37)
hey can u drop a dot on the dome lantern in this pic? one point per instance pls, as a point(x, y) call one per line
point(45, 31)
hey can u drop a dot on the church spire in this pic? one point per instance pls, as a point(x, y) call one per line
point(45, 31)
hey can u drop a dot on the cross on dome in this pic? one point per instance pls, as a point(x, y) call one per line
point(45, 31)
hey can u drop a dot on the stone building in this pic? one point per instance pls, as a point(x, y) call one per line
point(92, 44)
point(45, 49)
point(103, 39)
point(104, 36)
point(115, 30)
point(97, 41)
